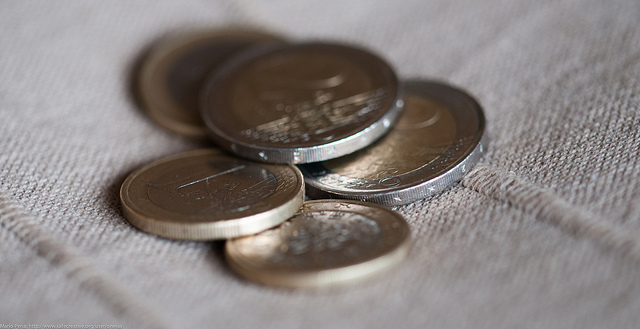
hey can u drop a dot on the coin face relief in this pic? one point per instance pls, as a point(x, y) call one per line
point(173, 74)
point(327, 243)
point(206, 195)
point(436, 140)
point(301, 103)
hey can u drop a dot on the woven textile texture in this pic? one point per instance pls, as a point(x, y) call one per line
point(543, 233)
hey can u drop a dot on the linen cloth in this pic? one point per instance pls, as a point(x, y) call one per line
point(545, 233)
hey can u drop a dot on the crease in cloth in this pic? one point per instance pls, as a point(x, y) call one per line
point(550, 208)
point(75, 265)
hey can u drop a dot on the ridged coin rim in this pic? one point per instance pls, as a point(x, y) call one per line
point(298, 155)
point(213, 230)
point(332, 277)
point(396, 196)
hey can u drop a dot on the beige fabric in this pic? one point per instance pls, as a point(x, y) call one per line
point(544, 234)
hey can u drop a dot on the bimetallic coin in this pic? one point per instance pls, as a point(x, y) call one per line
point(207, 195)
point(171, 78)
point(327, 243)
point(301, 103)
point(438, 138)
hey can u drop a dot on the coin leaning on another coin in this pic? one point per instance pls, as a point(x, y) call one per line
point(438, 138)
point(301, 103)
point(327, 243)
point(207, 195)
point(173, 73)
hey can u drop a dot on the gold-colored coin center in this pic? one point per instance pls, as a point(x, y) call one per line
point(316, 240)
point(211, 188)
point(328, 242)
point(304, 97)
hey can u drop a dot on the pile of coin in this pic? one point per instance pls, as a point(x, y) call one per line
point(285, 115)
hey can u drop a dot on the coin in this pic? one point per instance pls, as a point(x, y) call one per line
point(438, 138)
point(171, 77)
point(301, 103)
point(327, 243)
point(207, 195)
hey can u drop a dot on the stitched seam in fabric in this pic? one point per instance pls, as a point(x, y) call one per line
point(75, 265)
point(550, 208)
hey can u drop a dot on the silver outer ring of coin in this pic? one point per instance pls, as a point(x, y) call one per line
point(450, 173)
point(331, 150)
point(331, 277)
point(172, 228)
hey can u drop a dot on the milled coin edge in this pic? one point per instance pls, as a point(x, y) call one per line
point(329, 278)
point(422, 190)
point(300, 155)
point(409, 194)
point(216, 230)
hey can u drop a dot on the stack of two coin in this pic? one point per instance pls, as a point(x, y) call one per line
point(308, 103)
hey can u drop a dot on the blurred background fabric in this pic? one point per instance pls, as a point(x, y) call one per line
point(545, 233)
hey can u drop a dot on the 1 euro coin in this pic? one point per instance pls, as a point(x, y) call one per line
point(208, 195)
point(327, 243)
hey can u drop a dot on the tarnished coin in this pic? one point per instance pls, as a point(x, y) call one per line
point(326, 243)
point(207, 195)
point(301, 103)
point(174, 72)
point(438, 138)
